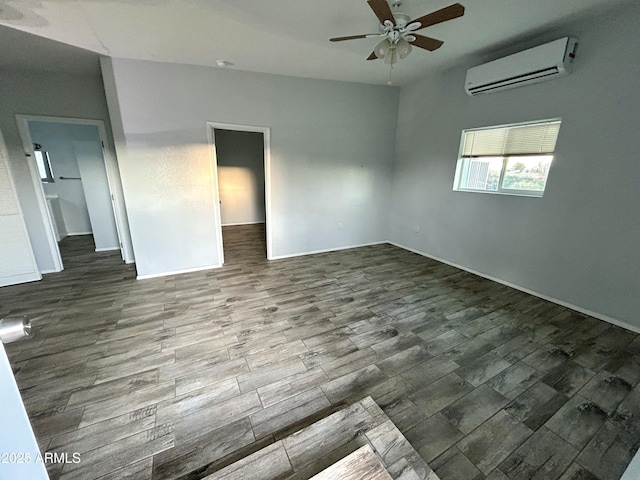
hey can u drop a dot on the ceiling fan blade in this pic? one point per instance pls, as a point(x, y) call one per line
point(352, 37)
point(427, 43)
point(382, 10)
point(444, 14)
point(373, 56)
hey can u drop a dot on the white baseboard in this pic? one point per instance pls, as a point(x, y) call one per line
point(591, 313)
point(108, 249)
point(51, 270)
point(177, 272)
point(77, 234)
point(34, 276)
point(336, 249)
point(242, 223)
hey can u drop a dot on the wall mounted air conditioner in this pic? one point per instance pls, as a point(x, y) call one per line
point(537, 64)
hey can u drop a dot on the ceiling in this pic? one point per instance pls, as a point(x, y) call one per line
point(23, 51)
point(288, 37)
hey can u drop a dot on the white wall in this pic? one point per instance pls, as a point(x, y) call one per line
point(57, 140)
point(577, 244)
point(18, 436)
point(47, 94)
point(332, 146)
point(240, 158)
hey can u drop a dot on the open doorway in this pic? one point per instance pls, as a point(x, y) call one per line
point(73, 181)
point(241, 163)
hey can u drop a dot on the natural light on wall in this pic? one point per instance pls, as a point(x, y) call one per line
point(512, 159)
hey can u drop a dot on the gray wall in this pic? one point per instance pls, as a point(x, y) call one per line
point(240, 158)
point(577, 244)
point(47, 94)
point(331, 145)
point(14, 419)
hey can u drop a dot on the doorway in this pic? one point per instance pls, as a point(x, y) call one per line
point(241, 176)
point(73, 178)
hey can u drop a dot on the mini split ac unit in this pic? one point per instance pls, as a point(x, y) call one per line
point(537, 64)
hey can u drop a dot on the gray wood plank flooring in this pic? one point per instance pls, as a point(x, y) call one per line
point(332, 448)
point(179, 376)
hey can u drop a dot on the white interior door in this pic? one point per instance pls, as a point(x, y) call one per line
point(97, 194)
point(17, 261)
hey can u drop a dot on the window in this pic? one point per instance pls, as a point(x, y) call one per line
point(512, 160)
point(43, 163)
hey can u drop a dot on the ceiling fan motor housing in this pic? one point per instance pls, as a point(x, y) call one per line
point(401, 18)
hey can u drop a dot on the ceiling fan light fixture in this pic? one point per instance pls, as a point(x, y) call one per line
point(391, 56)
point(403, 48)
point(382, 48)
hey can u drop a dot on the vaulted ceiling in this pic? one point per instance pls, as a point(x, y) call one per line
point(288, 37)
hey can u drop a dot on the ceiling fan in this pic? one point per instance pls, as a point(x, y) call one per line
point(397, 30)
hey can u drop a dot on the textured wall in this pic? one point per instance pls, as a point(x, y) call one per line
point(579, 243)
point(331, 154)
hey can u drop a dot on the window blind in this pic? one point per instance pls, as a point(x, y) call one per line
point(532, 139)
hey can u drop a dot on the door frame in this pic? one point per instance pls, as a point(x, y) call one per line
point(113, 180)
point(266, 137)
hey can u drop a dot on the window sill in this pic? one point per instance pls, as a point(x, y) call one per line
point(510, 194)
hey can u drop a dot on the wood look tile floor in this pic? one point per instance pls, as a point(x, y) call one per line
point(177, 376)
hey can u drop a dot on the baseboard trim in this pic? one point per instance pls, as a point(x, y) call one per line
point(242, 223)
point(599, 316)
point(50, 270)
point(328, 250)
point(108, 249)
point(177, 272)
point(30, 277)
point(77, 234)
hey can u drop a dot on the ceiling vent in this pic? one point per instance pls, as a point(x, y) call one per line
point(537, 64)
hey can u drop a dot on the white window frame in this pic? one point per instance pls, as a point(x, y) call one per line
point(463, 163)
point(44, 165)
